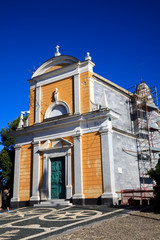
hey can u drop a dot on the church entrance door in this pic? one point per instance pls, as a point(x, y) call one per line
point(58, 190)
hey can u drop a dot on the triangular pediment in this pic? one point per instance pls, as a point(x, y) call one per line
point(57, 143)
point(61, 142)
point(46, 144)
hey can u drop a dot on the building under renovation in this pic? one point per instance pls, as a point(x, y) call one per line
point(85, 139)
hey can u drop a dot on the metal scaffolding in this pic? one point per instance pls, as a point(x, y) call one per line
point(146, 125)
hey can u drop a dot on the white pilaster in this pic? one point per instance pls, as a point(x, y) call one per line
point(108, 163)
point(45, 190)
point(38, 104)
point(36, 173)
point(76, 93)
point(16, 174)
point(78, 180)
point(69, 176)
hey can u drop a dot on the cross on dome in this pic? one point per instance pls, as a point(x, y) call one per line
point(57, 53)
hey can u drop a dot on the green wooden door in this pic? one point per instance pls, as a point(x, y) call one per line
point(58, 178)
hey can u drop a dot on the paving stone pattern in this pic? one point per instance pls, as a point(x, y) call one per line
point(42, 223)
point(133, 226)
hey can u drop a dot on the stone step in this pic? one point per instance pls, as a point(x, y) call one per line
point(53, 203)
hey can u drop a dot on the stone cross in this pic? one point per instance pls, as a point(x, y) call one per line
point(57, 51)
point(57, 47)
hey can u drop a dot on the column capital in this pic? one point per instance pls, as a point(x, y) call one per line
point(17, 146)
point(105, 130)
point(77, 134)
point(68, 153)
point(77, 73)
point(44, 156)
point(35, 143)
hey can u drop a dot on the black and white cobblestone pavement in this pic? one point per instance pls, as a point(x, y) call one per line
point(42, 223)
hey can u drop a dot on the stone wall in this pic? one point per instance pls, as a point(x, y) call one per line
point(117, 102)
point(125, 162)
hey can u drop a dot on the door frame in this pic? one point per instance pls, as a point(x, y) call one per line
point(49, 154)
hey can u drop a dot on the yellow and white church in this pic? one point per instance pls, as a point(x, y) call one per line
point(70, 148)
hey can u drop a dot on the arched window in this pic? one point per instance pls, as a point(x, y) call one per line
point(58, 109)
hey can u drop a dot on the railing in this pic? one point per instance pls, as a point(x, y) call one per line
point(136, 196)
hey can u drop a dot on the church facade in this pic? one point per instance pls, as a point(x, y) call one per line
point(74, 144)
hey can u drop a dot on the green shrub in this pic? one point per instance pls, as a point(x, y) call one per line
point(155, 175)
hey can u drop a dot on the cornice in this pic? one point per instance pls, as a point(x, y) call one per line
point(67, 121)
point(53, 74)
point(113, 85)
point(62, 73)
point(54, 61)
point(53, 149)
point(118, 130)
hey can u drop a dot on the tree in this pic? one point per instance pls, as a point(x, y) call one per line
point(7, 154)
point(155, 174)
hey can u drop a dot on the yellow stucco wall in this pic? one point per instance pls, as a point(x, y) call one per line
point(85, 92)
point(70, 139)
point(25, 173)
point(65, 93)
point(92, 166)
point(32, 107)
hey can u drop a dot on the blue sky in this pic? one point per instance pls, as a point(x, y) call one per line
point(122, 36)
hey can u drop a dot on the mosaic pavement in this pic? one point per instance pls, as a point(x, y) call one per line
point(41, 223)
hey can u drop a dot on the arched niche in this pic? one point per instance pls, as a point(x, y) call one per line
point(57, 109)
